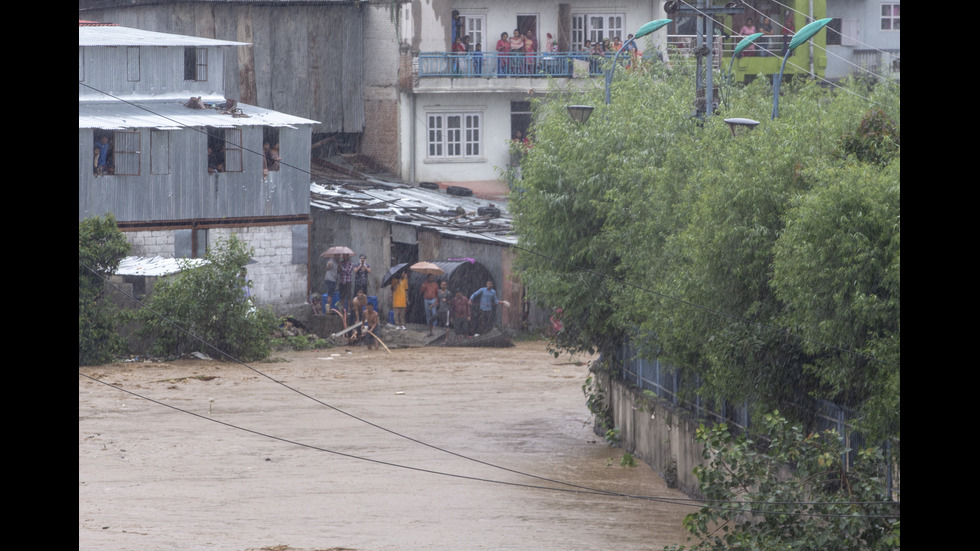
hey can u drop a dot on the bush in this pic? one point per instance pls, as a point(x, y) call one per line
point(100, 248)
point(205, 308)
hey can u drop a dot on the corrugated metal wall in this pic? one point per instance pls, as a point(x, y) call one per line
point(305, 60)
point(188, 191)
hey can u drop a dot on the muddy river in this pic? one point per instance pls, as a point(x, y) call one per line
point(416, 449)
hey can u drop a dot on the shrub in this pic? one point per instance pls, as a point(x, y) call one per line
point(205, 308)
point(100, 248)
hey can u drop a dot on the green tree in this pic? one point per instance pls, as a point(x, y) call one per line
point(645, 222)
point(837, 267)
point(205, 308)
point(788, 489)
point(100, 248)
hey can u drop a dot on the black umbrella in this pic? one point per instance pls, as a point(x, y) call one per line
point(392, 273)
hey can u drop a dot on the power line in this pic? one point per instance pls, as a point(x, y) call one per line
point(824, 49)
point(572, 488)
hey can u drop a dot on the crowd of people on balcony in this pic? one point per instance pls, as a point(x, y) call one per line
point(520, 54)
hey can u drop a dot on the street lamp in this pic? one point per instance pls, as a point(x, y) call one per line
point(806, 33)
point(736, 122)
point(742, 44)
point(643, 31)
point(580, 113)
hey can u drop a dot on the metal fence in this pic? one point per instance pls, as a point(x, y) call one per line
point(529, 65)
point(673, 384)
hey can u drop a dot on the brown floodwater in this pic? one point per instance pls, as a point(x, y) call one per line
point(151, 477)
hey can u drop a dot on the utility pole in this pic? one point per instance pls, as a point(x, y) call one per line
point(704, 94)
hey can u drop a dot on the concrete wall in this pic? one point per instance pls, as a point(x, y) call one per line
point(276, 280)
point(652, 431)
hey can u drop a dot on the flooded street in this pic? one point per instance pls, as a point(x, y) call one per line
point(298, 477)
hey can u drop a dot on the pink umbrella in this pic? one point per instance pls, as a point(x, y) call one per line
point(336, 250)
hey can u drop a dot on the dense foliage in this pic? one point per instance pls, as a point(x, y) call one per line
point(766, 264)
point(100, 248)
point(790, 490)
point(205, 308)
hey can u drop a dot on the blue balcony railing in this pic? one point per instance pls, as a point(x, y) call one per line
point(496, 65)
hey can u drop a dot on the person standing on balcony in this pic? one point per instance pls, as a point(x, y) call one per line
point(516, 48)
point(456, 27)
point(467, 65)
point(766, 28)
point(550, 44)
point(530, 52)
point(789, 29)
point(748, 29)
point(459, 51)
point(478, 59)
point(503, 50)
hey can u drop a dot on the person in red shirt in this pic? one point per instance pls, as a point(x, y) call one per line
point(461, 315)
point(503, 49)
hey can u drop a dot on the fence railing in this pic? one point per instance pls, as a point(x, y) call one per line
point(671, 383)
point(529, 65)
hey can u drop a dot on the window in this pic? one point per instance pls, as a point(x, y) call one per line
point(133, 63)
point(190, 243)
point(233, 150)
point(520, 119)
point(126, 153)
point(224, 150)
point(595, 27)
point(159, 152)
point(890, 17)
point(195, 64)
point(270, 149)
point(454, 135)
point(474, 26)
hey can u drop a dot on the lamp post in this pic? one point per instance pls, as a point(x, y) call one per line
point(742, 44)
point(643, 31)
point(804, 34)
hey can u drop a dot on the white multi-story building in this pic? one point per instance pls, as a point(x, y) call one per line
point(459, 115)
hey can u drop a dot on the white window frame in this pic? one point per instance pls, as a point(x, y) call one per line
point(454, 135)
point(597, 26)
point(475, 25)
point(894, 21)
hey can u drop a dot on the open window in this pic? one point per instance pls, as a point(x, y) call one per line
point(195, 64)
point(224, 150)
point(116, 152)
point(270, 149)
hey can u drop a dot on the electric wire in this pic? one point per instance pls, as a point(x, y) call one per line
point(827, 50)
point(572, 488)
point(516, 246)
point(578, 488)
point(792, 64)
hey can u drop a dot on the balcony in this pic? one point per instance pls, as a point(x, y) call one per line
point(499, 72)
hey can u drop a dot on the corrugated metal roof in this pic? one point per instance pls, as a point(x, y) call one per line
point(128, 36)
point(171, 114)
point(155, 265)
point(415, 206)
